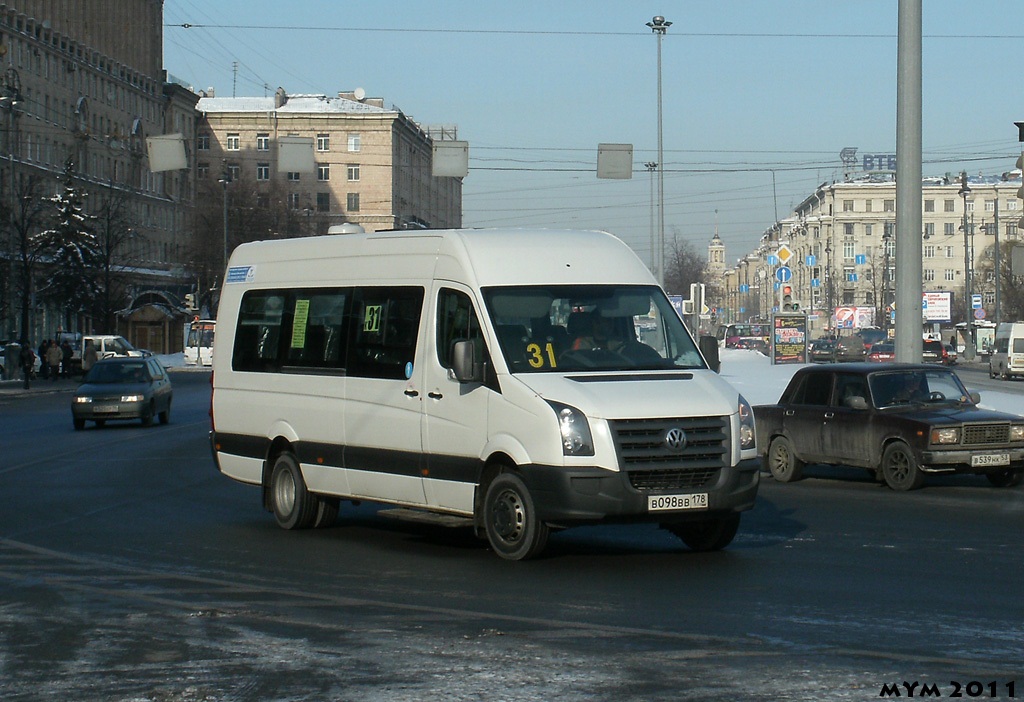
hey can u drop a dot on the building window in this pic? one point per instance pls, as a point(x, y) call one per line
point(293, 201)
point(990, 205)
point(323, 142)
point(323, 202)
point(970, 206)
point(353, 172)
point(1011, 204)
point(950, 275)
point(949, 205)
point(990, 295)
point(949, 252)
point(868, 230)
point(263, 142)
point(352, 202)
point(202, 169)
point(323, 172)
point(848, 229)
point(847, 205)
point(293, 176)
point(354, 142)
point(889, 205)
point(203, 142)
point(949, 228)
point(849, 274)
point(929, 275)
point(262, 171)
point(849, 249)
point(234, 172)
point(234, 142)
point(929, 230)
point(262, 200)
point(1011, 230)
point(868, 206)
point(929, 205)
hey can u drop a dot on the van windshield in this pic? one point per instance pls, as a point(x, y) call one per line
point(560, 328)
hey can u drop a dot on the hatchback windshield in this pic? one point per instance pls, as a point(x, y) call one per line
point(594, 327)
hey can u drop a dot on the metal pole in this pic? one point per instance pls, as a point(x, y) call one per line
point(965, 190)
point(659, 25)
point(651, 167)
point(909, 284)
point(995, 312)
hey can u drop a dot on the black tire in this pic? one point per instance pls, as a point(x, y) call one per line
point(147, 415)
point(79, 423)
point(712, 534)
point(294, 507)
point(1011, 477)
point(510, 518)
point(100, 423)
point(899, 468)
point(991, 373)
point(782, 463)
point(165, 416)
point(326, 512)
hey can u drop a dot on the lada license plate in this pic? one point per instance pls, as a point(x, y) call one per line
point(990, 459)
point(104, 409)
point(665, 503)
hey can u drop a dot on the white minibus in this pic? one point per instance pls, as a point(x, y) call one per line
point(494, 378)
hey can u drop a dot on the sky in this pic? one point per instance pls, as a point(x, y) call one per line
point(758, 96)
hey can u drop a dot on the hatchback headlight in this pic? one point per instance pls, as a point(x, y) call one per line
point(83, 400)
point(132, 398)
point(1017, 432)
point(946, 435)
point(746, 424)
point(575, 430)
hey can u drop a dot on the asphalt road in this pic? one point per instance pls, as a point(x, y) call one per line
point(131, 570)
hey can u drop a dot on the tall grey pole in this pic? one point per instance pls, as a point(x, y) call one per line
point(908, 184)
point(659, 25)
point(995, 312)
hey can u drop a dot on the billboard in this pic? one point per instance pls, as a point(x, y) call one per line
point(789, 338)
point(853, 317)
point(937, 306)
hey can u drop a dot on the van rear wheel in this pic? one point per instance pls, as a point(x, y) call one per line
point(294, 507)
point(510, 518)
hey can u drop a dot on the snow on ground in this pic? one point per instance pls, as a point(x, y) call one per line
point(762, 383)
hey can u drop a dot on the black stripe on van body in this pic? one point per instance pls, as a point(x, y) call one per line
point(463, 469)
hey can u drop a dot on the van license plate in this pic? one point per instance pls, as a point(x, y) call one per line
point(990, 459)
point(665, 503)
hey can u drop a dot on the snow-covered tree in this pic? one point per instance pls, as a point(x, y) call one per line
point(72, 250)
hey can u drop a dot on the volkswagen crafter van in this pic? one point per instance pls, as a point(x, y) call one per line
point(518, 381)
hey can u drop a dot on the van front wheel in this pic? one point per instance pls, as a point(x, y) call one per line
point(708, 535)
point(294, 507)
point(510, 518)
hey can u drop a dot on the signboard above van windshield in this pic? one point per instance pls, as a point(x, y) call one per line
point(937, 306)
point(241, 274)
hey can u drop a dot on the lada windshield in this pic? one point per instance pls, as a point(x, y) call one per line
point(561, 328)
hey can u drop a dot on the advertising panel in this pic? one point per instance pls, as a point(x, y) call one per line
point(789, 338)
point(937, 306)
point(853, 317)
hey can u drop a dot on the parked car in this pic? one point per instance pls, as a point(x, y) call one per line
point(823, 351)
point(882, 352)
point(899, 421)
point(934, 351)
point(951, 355)
point(123, 388)
point(851, 348)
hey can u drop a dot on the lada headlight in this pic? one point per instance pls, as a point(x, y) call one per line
point(132, 398)
point(946, 435)
point(746, 424)
point(575, 430)
point(1017, 432)
point(83, 400)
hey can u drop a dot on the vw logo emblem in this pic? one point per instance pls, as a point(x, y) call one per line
point(675, 439)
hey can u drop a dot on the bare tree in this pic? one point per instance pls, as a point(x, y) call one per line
point(29, 214)
point(113, 229)
point(684, 265)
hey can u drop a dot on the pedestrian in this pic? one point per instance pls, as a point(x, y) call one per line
point(66, 354)
point(28, 359)
point(43, 365)
point(54, 357)
point(88, 356)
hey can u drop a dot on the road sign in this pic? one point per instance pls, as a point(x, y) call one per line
point(979, 313)
point(773, 260)
point(860, 259)
point(815, 282)
point(785, 253)
point(811, 260)
point(783, 274)
point(976, 302)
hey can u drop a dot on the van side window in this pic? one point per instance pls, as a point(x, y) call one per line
point(383, 326)
point(317, 332)
point(258, 334)
point(456, 321)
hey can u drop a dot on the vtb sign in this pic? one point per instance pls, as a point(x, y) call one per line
point(879, 162)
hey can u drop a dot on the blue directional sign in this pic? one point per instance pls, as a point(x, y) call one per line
point(744, 288)
point(783, 274)
point(815, 282)
point(811, 260)
point(860, 259)
point(773, 260)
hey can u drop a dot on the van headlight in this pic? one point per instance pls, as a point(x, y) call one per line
point(746, 425)
point(575, 430)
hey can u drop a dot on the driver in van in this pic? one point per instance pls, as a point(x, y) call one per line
point(604, 335)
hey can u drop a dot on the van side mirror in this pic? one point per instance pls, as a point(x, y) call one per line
point(465, 368)
point(709, 348)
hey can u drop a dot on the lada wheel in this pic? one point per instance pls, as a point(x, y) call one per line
point(709, 534)
point(782, 462)
point(513, 529)
point(1011, 477)
point(294, 507)
point(900, 469)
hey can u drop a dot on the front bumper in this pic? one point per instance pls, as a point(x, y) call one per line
point(959, 460)
point(589, 495)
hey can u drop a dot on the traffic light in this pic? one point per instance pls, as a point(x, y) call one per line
point(787, 298)
point(190, 301)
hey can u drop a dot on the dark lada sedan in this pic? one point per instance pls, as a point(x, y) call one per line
point(123, 388)
point(900, 421)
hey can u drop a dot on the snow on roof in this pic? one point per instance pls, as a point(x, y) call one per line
point(300, 104)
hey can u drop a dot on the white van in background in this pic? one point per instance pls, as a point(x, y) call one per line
point(1006, 360)
point(490, 378)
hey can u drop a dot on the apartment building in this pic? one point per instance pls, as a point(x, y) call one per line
point(371, 165)
point(843, 241)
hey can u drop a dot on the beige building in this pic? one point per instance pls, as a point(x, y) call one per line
point(843, 241)
point(370, 165)
point(84, 81)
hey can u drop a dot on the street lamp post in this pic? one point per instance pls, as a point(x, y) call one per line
point(886, 244)
point(651, 167)
point(225, 178)
point(965, 191)
point(659, 25)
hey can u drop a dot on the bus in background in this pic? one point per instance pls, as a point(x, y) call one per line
point(743, 335)
point(199, 342)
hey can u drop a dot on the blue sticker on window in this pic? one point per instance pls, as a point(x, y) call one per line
point(408, 370)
